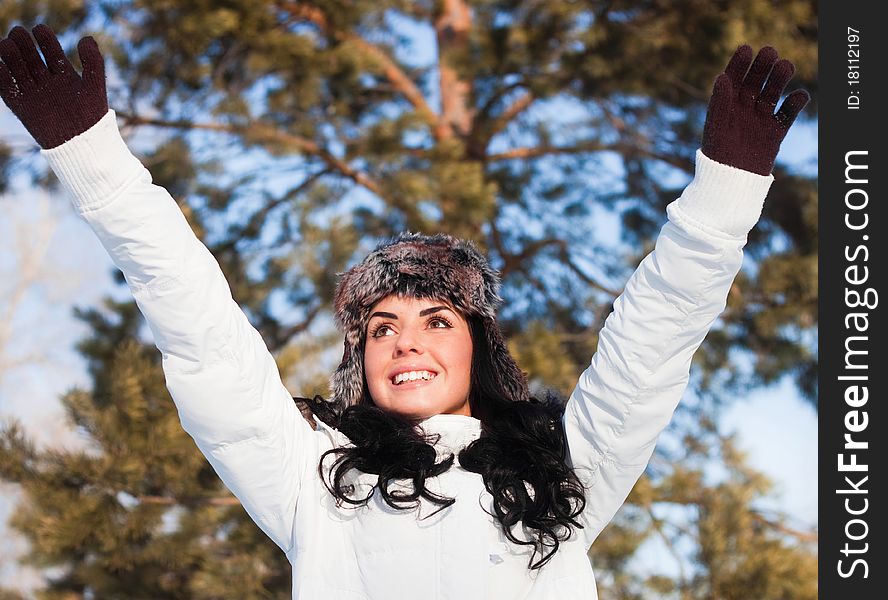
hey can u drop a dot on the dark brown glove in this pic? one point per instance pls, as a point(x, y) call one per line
point(52, 100)
point(741, 128)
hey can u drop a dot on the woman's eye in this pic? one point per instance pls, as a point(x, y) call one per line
point(433, 323)
point(443, 322)
point(381, 331)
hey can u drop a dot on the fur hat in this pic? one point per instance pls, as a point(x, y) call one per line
point(411, 264)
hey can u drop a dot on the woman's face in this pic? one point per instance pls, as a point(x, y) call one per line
point(418, 357)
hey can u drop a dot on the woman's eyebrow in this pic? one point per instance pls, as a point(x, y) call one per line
point(422, 313)
point(385, 315)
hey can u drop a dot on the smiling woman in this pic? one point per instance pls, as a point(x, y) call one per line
point(427, 391)
point(418, 357)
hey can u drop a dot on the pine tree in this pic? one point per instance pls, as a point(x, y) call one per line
point(139, 513)
point(296, 134)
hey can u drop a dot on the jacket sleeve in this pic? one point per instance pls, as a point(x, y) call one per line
point(224, 382)
point(640, 370)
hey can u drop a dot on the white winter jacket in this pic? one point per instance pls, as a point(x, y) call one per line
point(231, 400)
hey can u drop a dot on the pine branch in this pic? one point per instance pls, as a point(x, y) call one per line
point(670, 547)
point(511, 111)
point(808, 537)
point(496, 96)
point(252, 228)
point(538, 151)
point(391, 70)
point(517, 261)
point(265, 132)
point(567, 260)
point(281, 337)
point(593, 146)
point(484, 129)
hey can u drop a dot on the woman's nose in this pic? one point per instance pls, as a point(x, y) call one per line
point(408, 340)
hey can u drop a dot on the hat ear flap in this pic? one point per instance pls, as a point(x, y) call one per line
point(343, 389)
point(512, 380)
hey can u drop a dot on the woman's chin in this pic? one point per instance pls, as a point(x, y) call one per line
point(413, 410)
point(416, 407)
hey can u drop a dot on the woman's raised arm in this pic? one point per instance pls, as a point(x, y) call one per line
point(224, 382)
point(640, 370)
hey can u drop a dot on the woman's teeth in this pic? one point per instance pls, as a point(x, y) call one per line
point(412, 376)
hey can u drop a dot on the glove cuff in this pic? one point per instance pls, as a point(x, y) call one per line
point(722, 201)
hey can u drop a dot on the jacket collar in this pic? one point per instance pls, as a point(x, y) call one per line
point(456, 431)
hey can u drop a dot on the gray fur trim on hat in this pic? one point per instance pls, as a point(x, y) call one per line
point(412, 264)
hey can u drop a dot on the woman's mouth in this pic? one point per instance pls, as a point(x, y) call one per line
point(412, 379)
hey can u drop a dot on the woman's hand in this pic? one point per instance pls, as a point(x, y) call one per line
point(52, 100)
point(741, 128)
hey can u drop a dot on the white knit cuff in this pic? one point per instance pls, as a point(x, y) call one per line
point(721, 201)
point(96, 165)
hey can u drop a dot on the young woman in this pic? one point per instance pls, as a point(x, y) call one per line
point(429, 472)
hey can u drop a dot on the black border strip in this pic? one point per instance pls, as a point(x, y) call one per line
point(852, 483)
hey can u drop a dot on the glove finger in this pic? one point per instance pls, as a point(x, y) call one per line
point(12, 58)
point(93, 64)
point(738, 65)
point(780, 76)
point(791, 108)
point(758, 72)
point(29, 53)
point(56, 60)
point(719, 110)
point(9, 89)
